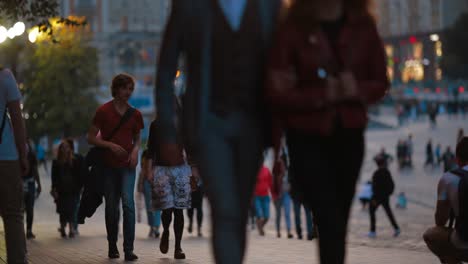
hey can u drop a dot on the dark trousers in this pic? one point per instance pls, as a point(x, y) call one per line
point(298, 220)
point(29, 197)
point(230, 158)
point(324, 171)
point(386, 205)
point(120, 185)
point(197, 204)
point(11, 211)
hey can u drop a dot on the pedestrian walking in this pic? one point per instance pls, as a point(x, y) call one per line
point(382, 189)
point(119, 125)
point(438, 154)
point(224, 112)
point(448, 160)
point(319, 99)
point(282, 199)
point(383, 155)
point(171, 184)
point(41, 157)
point(262, 198)
point(429, 154)
point(197, 203)
point(145, 188)
point(66, 185)
point(13, 165)
point(79, 159)
point(32, 188)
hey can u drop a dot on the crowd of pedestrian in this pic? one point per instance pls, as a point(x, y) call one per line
point(247, 90)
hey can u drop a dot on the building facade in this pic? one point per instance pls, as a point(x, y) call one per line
point(127, 34)
point(412, 31)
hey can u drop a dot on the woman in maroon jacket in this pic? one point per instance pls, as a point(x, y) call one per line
point(326, 66)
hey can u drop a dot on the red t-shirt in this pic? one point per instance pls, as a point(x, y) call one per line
point(264, 182)
point(106, 120)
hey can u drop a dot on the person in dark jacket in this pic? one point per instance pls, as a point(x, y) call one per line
point(320, 80)
point(382, 188)
point(66, 171)
point(429, 154)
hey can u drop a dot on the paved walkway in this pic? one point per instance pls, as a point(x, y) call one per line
point(419, 185)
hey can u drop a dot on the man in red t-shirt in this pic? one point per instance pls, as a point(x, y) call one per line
point(120, 160)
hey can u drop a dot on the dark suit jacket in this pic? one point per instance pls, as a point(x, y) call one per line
point(189, 34)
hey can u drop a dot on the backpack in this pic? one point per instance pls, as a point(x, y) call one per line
point(461, 222)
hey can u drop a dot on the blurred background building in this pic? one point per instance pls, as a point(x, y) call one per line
point(412, 34)
point(127, 34)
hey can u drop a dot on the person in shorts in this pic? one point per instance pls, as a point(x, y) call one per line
point(171, 187)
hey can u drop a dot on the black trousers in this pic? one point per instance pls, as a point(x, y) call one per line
point(324, 171)
point(29, 198)
point(197, 204)
point(386, 205)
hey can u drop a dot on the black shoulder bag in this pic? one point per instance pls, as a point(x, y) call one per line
point(94, 156)
point(3, 124)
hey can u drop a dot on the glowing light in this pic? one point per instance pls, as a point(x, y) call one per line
point(413, 39)
point(461, 89)
point(33, 34)
point(19, 28)
point(3, 34)
point(434, 37)
point(11, 33)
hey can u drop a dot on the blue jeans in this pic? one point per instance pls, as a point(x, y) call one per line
point(262, 207)
point(154, 217)
point(119, 183)
point(284, 201)
point(297, 217)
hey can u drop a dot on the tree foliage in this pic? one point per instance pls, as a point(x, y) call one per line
point(455, 59)
point(60, 83)
point(35, 12)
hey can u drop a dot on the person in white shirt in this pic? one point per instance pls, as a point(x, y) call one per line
point(444, 241)
point(13, 164)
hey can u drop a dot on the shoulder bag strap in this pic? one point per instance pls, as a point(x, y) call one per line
point(123, 120)
point(3, 124)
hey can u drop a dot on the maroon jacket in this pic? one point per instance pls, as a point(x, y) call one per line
point(302, 106)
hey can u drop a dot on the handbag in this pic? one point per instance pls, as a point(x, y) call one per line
point(3, 124)
point(95, 154)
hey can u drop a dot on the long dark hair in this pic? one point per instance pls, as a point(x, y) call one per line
point(300, 11)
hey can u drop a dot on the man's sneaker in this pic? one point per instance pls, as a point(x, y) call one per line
point(372, 235)
point(130, 256)
point(310, 237)
point(190, 229)
point(151, 233)
point(397, 232)
point(290, 235)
